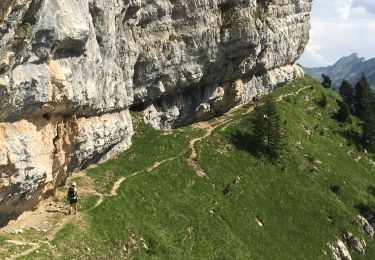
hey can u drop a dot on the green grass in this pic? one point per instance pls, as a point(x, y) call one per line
point(170, 213)
point(8, 248)
point(149, 145)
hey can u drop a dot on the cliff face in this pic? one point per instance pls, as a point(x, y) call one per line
point(70, 70)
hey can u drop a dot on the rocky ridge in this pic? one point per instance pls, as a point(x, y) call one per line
point(349, 68)
point(71, 70)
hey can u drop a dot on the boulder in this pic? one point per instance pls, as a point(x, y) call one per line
point(366, 226)
point(340, 251)
point(357, 244)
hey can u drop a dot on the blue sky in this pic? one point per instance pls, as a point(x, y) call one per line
point(340, 28)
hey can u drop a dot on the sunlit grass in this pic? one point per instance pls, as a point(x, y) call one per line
point(170, 213)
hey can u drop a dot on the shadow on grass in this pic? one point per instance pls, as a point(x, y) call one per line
point(336, 189)
point(352, 137)
point(371, 190)
point(365, 211)
point(243, 140)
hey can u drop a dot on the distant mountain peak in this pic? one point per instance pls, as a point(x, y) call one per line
point(354, 57)
point(348, 67)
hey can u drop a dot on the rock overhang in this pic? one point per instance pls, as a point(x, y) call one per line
point(70, 70)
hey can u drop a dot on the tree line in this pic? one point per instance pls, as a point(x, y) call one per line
point(268, 134)
point(358, 101)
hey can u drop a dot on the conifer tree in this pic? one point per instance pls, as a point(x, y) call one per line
point(326, 81)
point(268, 133)
point(343, 115)
point(275, 131)
point(346, 91)
point(323, 102)
point(259, 128)
point(368, 135)
point(363, 98)
point(364, 101)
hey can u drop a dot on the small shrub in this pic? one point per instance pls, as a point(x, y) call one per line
point(336, 189)
point(226, 7)
point(175, 38)
point(326, 81)
point(258, 14)
point(290, 100)
point(26, 27)
point(343, 115)
point(226, 190)
point(323, 102)
point(263, 5)
point(261, 10)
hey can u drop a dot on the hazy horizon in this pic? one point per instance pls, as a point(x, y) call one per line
point(340, 28)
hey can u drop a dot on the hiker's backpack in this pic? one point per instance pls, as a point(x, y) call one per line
point(72, 193)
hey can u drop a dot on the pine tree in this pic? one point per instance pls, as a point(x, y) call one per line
point(364, 102)
point(274, 129)
point(259, 128)
point(363, 98)
point(268, 133)
point(323, 102)
point(343, 115)
point(368, 135)
point(326, 81)
point(346, 91)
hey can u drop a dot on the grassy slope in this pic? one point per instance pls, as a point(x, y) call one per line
point(171, 213)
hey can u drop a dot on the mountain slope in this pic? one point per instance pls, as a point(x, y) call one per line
point(349, 68)
point(154, 205)
point(71, 70)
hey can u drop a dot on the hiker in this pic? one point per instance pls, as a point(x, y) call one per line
point(256, 100)
point(73, 198)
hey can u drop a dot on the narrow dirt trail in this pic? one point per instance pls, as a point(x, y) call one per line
point(43, 214)
point(35, 247)
point(225, 119)
point(117, 184)
point(50, 235)
point(191, 160)
point(295, 93)
point(49, 218)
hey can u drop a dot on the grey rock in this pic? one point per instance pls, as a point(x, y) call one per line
point(358, 245)
point(340, 251)
point(366, 226)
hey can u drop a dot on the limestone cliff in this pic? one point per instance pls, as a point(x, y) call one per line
point(70, 70)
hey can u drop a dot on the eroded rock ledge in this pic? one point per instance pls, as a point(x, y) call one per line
point(37, 154)
point(70, 70)
point(208, 101)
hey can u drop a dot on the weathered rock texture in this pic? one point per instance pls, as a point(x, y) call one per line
point(340, 251)
point(357, 244)
point(367, 227)
point(70, 70)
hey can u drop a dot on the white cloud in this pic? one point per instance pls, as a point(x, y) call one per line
point(331, 10)
point(344, 9)
point(369, 5)
point(360, 13)
point(313, 53)
point(340, 28)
